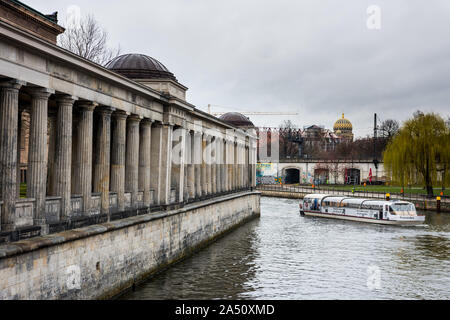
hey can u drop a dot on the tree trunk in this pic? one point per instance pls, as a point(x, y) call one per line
point(428, 183)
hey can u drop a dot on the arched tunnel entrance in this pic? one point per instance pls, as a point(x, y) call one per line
point(292, 176)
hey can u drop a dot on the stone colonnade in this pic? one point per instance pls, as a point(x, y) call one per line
point(101, 160)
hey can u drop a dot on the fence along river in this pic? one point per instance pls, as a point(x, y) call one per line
point(283, 255)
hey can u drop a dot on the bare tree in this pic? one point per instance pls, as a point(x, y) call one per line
point(88, 39)
point(390, 128)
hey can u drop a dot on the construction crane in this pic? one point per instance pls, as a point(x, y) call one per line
point(251, 113)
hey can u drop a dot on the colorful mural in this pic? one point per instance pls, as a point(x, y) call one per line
point(266, 173)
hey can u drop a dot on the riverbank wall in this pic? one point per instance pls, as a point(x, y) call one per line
point(421, 204)
point(101, 261)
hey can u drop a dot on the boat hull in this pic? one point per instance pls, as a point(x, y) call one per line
point(362, 219)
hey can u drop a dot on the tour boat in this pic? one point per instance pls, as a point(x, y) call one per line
point(392, 212)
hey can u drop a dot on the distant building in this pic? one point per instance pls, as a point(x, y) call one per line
point(343, 129)
point(312, 141)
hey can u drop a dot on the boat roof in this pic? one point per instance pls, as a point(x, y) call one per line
point(354, 200)
point(315, 196)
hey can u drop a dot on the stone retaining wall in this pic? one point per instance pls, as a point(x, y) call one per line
point(102, 260)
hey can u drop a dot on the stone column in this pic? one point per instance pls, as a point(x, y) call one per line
point(235, 167)
point(241, 165)
point(155, 161)
point(218, 165)
point(19, 145)
point(213, 166)
point(191, 165)
point(233, 159)
point(204, 183)
point(198, 160)
point(132, 158)
point(51, 152)
point(223, 179)
point(118, 157)
point(253, 166)
point(166, 163)
point(178, 160)
point(246, 167)
point(145, 159)
point(187, 166)
point(230, 164)
point(226, 165)
point(9, 106)
point(37, 151)
point(85, 134)
point(182, 182)
point(208, 164)
point(102, 157)
point(63, 153)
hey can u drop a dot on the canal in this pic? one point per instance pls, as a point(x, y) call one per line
point(283, 255)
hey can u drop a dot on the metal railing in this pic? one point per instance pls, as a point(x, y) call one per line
point(422, 201)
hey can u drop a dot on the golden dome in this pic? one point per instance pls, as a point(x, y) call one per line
point(342, 125)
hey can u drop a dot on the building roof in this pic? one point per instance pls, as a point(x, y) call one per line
point(50, 17)
point(20, 15)
point(236, 119)
point(139, 66)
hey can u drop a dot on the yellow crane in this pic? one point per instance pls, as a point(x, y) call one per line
point(250, 113)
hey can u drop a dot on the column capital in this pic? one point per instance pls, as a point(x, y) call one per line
point(12, 84)
point(147, 122)
point(65, 98)
point(134, 117)
point(105, 110)
point(87, 105)
point(40, 93)
point(119, 114)
point(168, 124)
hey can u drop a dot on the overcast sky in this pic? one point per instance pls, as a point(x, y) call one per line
point(314, 57)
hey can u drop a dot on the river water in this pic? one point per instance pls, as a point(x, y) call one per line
point(283, 255)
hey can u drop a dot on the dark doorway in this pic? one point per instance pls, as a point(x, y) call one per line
point(292, 176)
point(352, 176)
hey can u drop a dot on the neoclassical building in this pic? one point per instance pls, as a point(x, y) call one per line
point(102, 142)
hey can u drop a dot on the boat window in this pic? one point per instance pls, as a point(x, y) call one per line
point(372, 206)
point(402, 207)
point(351, 203)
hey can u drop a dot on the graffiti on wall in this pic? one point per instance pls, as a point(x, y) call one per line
point(266, 173)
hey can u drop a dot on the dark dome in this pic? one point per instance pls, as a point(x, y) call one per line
point(139, 66)
point(237, 119)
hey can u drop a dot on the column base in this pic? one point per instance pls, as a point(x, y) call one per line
point(6, 227)
point(43, 224)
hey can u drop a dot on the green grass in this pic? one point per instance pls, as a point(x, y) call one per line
point(23, 190)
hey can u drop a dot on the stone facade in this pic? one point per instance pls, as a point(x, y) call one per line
point(99, 143)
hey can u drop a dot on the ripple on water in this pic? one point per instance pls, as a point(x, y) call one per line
point(283, 255)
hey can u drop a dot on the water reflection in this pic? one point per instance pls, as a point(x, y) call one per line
point(219, 271)
point(283, 255)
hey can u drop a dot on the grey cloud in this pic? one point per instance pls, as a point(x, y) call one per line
point(314, 57)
